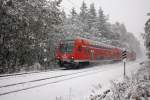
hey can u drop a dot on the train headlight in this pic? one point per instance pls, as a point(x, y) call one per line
point(58, 57)
point(72, 59)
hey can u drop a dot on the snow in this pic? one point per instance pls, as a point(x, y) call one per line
point(77, 88)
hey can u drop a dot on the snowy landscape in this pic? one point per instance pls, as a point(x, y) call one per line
point(78, 86)
point(74, 50)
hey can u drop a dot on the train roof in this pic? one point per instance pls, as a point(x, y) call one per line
point(92, 42)
point(98, 43)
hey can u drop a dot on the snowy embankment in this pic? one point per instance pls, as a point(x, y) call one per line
point(134, 87)
point(77, 88)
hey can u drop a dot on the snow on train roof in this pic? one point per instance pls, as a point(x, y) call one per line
point(98, 43)
point(92, 42)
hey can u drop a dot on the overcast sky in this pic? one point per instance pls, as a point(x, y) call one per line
point(133, 13)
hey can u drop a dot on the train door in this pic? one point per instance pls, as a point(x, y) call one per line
point(92, 54)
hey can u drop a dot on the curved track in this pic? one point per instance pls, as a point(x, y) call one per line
point(17, 74)
point(47, 80)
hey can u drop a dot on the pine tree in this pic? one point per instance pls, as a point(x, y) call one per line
point(73, 15)
point(92, 19)
point(73, 25)
point(83, 12)
point(102, 22)
point(84, 17)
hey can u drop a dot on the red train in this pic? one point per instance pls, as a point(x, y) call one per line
point(72, 53)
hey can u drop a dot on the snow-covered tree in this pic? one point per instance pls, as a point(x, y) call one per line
point(92, 19)
point(25, 29)
point(84, 16)
point(73, 13)
point(70, 24)
point(102, 23)
point(83, 12)
point(147, 36)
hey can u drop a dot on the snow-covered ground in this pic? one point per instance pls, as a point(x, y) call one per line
point(71, 87)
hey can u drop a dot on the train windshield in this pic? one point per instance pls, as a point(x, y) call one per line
point(67, 47)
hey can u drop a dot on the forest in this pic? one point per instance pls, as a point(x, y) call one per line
point(31, 29)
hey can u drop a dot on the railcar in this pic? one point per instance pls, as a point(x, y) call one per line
point(74, 52)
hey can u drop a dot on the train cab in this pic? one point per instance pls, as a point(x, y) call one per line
point(65, 52)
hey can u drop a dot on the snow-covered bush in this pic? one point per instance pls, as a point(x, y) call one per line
point(136, 87)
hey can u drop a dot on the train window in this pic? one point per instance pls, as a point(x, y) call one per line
point(66, 47)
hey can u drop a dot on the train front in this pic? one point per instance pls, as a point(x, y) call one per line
point(65, 53)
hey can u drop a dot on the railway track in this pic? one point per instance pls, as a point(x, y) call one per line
point(19, 74)
point(26, 73)
point(45, 81)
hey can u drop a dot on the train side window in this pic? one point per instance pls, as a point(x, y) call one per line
point(80, 48)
